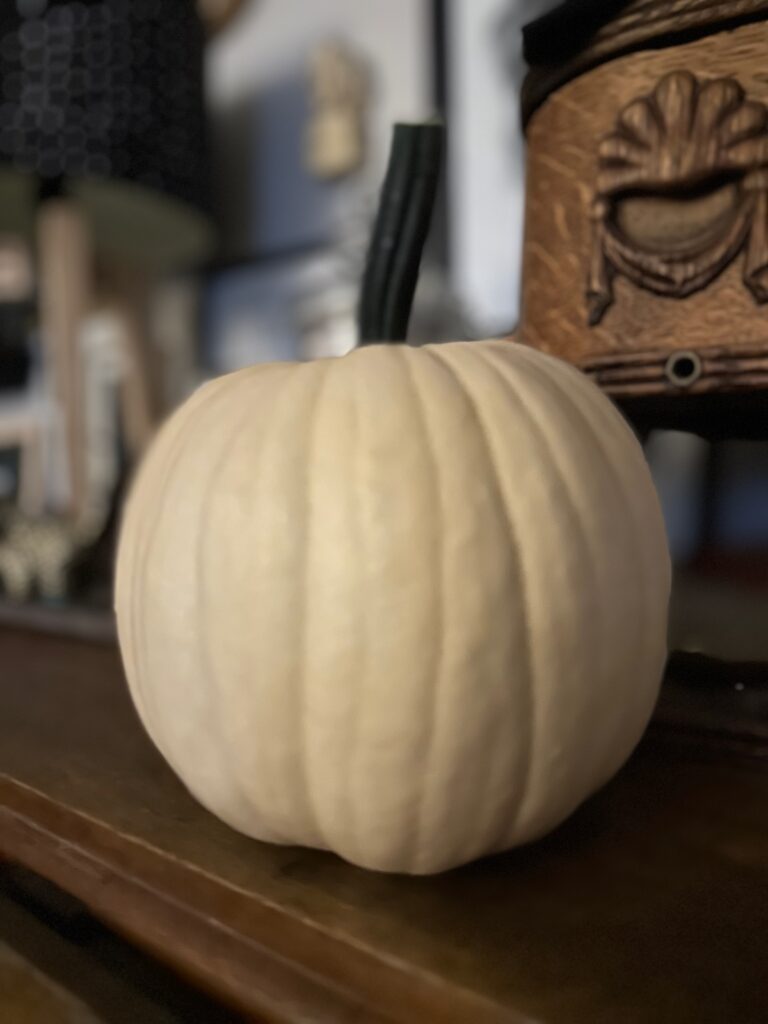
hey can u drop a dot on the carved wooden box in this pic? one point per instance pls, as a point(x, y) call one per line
point(646, 244)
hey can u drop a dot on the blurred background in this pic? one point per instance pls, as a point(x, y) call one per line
point(188, 187)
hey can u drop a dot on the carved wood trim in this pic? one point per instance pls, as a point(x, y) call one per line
point(651, 372)
point(696, 154)
point(562, 185)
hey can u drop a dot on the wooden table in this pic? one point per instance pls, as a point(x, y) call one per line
point(36, 999)
point(59, 965)
point(649, 907)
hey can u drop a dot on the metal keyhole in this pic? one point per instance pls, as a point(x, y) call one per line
point(683, 369)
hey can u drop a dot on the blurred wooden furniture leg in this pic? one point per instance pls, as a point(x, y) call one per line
point(31, 488)
point(66, 292)
point(127, 300)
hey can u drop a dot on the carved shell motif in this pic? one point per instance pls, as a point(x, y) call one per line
point(682, 188)
point(682, 133)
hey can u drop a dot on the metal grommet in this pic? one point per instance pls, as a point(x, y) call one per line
point(683, 369)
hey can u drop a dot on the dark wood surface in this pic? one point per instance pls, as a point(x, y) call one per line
point(65, 620)
point(58, 964)
point(28, 997)
point(716, 416)
point(649, 907)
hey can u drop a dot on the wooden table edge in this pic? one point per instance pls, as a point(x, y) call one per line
point(266, 969)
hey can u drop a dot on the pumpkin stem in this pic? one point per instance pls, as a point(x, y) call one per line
point(400, 231)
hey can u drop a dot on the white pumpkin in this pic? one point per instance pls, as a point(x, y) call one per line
point(408, 605)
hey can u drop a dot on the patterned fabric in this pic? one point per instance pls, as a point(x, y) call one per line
point(105, 89)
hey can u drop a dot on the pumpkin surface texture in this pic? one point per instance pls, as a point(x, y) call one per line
point(408, 605)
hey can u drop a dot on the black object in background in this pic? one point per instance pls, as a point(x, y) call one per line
point(15, 359)
point(108, 97)
point(105, 88)
point(564, 31)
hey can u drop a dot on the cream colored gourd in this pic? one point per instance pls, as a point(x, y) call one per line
point(408, 605)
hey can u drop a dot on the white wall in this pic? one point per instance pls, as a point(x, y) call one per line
point(487, 155)
point(258, 93)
